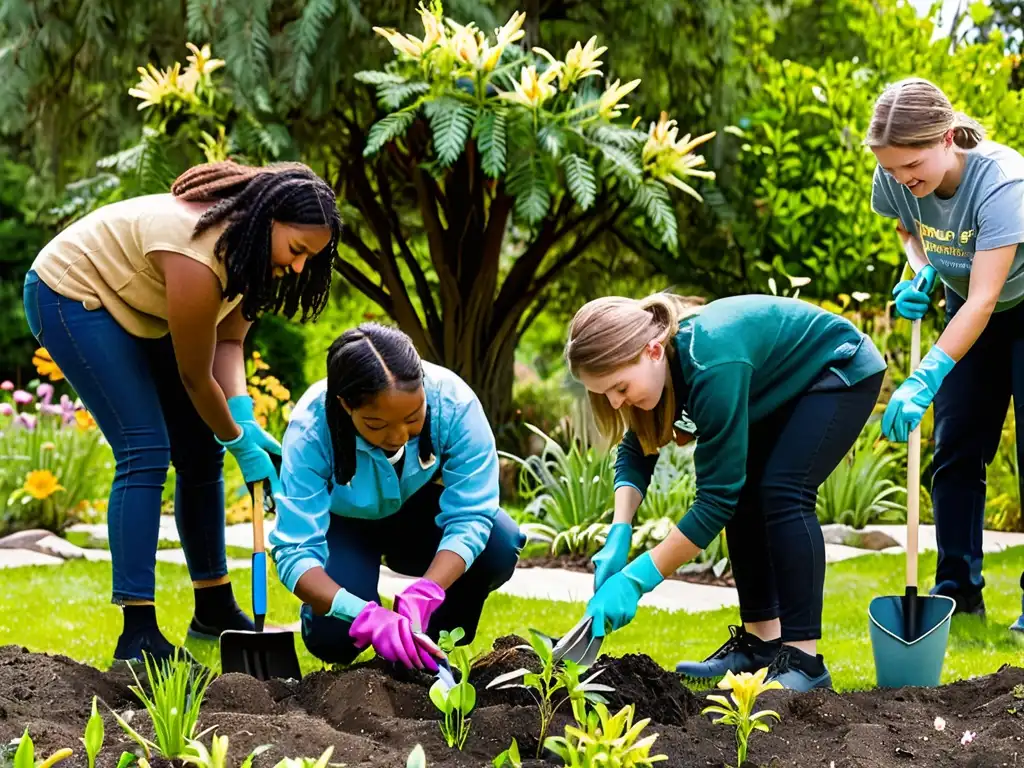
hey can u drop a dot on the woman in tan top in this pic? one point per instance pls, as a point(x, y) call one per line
point(144, 305)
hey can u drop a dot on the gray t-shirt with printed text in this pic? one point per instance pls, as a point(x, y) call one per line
point(985, 212)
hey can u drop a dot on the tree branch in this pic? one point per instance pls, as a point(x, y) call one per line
point(363, 284)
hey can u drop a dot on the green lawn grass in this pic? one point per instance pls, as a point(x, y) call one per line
point(67, 610)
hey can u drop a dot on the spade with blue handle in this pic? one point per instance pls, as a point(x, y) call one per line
point(263, 655)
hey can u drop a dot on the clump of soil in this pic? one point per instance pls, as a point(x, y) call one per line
point(373, 716)
point(582, 564)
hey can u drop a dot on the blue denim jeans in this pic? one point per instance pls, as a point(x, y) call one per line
point(134, 391)
point(970, 408)
point(407, 541)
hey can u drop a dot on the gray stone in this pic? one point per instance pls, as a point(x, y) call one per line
point(23, 539)
point(846, 536)
point(42, 542)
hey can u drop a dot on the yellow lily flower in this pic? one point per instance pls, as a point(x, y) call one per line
point(156, 86)
point(45, 366)
point(506, 35)
point(467, 43)
point(670, 159)
point(201, 60)
point(532, 90)
point(609, 106)
point(433, 30)
point(581, 62)
point(407, 44)
point(41, 484)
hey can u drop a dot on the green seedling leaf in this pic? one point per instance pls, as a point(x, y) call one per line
point(509, 757)
point(541, 645)
point(247, 763)
point(127, 759)
point(501, 680)
point(146, 744)
point(441, 697)
point(93, 739)
point(25, 757)
point(417, 758)
point(462, 698)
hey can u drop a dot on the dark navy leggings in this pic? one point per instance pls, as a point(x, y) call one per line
point(133, 389)
point(775, 542)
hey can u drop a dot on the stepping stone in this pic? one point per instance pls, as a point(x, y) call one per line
point(848, 536)
point(20, 558)
point(992, 541)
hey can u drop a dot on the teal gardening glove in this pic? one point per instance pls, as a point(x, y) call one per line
point(912, 398)
point(253, 447)
point(913, 296)
point(614, 554)
point(615, 603)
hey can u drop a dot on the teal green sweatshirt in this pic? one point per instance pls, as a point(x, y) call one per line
point(736, 361)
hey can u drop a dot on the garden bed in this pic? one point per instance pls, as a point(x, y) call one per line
point(582, 564)
point(374, 719)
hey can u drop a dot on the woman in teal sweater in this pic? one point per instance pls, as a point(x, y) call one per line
point(775, 392)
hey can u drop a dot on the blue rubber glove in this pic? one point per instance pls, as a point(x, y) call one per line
point(912, 303)
point(913, 396)
point(253, 447)
point(614, 605)
point(614, 554)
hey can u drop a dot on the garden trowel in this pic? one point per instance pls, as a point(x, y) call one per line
point(578, 644)
point(263, 655)
point(444, 672)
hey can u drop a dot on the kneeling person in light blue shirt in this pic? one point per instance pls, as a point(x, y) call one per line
point(390, 457)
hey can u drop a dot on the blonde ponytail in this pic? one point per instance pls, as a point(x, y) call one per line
point(916, 113)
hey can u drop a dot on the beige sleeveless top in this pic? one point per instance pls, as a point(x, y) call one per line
point(104, 260)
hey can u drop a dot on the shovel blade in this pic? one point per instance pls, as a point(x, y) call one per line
point(578, 644)
point(263, 655)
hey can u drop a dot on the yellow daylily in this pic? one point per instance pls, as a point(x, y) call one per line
point(41, 484)
point(532, 90)
point(505, 36)
point(157, 85)
point(582, 61)
point(669, 159)
point(609, 106)
point(412, 46)
point(84, 420)
point(745, 687)
point(467, 43)
point(45, 366)
point(201, 61)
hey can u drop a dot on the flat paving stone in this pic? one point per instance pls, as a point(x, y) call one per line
point(21, 558)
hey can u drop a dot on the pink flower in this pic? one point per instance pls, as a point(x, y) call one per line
point(7, 386)
point(67, 409)
point(26, 420)
point(6, 409)
point(21, 397)
point(940, 724)
point(45, 393)
point(967, 738)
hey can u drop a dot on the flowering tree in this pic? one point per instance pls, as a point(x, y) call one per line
point(491, 171)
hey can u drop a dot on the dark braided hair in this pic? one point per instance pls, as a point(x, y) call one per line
point(361, 363)
point(251, 200)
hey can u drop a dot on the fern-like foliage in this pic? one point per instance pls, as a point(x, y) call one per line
point(528, 182)
point(392, 96)
point(306, 34)
point(579, 177)
point(489, 133)
point(653, 199)
point(247, 47)
point(374, 77)
point(623, 164)
point(388, 129)
point(451, 121)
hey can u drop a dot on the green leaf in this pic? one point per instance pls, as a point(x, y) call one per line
point(417, 758)
point(306, 34)
point(510, 756)
point(552, 139)
point(393, 96)
point(653, 199)
point(25, 757)
point(440, 697)
point(490, 133)
point(387, 129)
point(127, 759)
point(93, 739)
point(373, 77)
point(451, 121)
point(622, 164)
point(462, 698)
point(579, 176)
point(529, 185)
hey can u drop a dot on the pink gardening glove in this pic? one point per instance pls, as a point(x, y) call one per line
point(418, 601)
point(391, 637)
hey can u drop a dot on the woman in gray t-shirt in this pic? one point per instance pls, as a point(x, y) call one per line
point(959, 203)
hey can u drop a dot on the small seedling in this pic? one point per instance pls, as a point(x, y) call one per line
point(603, 739)
point(544, 685)
point(417, 758)
point(176, 693)
point(739, 712)
point(457, 702)
point(509, 757)
point(93, 738)
point(217, 755)
point(1018, 691)
point(309, 762)
point(25, 757)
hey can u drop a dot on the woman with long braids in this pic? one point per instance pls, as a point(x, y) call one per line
point(389, 457)
point(144, 305)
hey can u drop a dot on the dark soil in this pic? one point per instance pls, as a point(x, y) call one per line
point(582, 564)
point(373, 717)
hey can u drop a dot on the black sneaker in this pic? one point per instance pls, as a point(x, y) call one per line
point(971, 603)
point(799, 671)
point(742, 652)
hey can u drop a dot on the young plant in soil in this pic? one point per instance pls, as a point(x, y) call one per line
point(217, 755)
point(509, 757)
point(603, 739)
point(177, 688)
point(553, 685)
point(25, 756)
point(457, 702)
point(739, 712)
point(93, 738)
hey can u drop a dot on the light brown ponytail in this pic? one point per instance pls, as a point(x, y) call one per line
point(916, 113)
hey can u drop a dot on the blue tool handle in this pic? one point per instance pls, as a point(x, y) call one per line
point(259, 583)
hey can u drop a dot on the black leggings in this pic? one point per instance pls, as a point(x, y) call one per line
point(775, 542)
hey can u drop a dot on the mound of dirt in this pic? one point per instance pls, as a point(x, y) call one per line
point(373, 715)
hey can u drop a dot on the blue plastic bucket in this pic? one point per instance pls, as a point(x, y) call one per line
point(899, 663)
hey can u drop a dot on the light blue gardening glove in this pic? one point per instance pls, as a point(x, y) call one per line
point(615, 603)
point(253, 447)
point(912, 398)
point(913, 296)
point(614, 554)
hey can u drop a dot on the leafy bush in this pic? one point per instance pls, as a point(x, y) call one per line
point(859, 491)
point(604, 739)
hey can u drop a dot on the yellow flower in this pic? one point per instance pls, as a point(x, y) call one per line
point(669, 159)
point(41, 484)
point(506, 35)
point(411, 46)
point(609, 105)
point(84, 420)
point(467, 44)
point(45, 366)
point(202, 61)
point(746, 687)
point(532, 90)
point(157, 86)
point(581, 61)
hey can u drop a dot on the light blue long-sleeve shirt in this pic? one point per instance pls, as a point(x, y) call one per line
point(463, 447)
